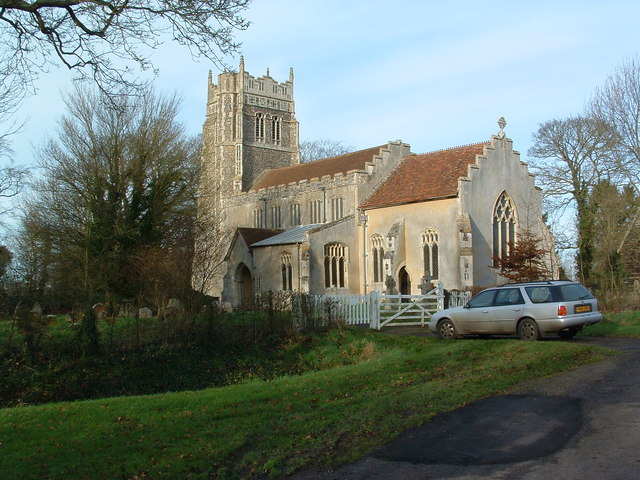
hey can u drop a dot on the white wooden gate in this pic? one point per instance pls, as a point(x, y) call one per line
point(380, 310)
point(399, 310)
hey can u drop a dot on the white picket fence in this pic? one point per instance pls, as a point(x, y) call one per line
point(379, 310)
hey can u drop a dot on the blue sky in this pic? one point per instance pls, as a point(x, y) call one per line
point(434, 74)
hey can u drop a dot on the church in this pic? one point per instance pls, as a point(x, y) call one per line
point(382, 218)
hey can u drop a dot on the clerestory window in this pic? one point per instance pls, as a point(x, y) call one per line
point(337, 208)
point(258, 218)
point(315, 211)
point(294, 214)
point(276, 216)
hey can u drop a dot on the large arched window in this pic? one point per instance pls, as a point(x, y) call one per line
point(335, 265)
point(287, 271)
point(430, 253)
point(504, 226)
point(377, 252)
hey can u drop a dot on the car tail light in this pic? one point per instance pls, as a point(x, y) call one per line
point(562, 310)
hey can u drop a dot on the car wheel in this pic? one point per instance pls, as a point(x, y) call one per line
point(568, 333)
point(447, 330)
point(528, 330)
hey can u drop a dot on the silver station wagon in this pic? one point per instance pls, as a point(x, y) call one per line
point(529, 310)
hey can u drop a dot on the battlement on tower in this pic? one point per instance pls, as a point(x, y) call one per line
point(255, 88)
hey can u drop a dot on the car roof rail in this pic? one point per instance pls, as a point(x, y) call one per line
point(535, 282)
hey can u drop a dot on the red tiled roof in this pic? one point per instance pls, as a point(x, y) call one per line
point(318, 168)
point(424, 177)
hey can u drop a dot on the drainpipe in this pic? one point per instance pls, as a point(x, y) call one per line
point(324, 204)
point(265, 211)
point(363, 220)
point(299, 262)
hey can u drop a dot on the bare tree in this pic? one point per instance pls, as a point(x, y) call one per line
point(571, 157)
point(114, 187)
point(102, 39)
point(316, 149)
point(11, 177)
point(617, 104)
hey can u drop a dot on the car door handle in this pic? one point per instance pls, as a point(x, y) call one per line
point(517, 309)
point(485, 311)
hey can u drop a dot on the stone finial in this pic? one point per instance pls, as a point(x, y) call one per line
point(210, 77)
point(268, 72)
point(291, 74)
point(241, 63)
point(501, 123)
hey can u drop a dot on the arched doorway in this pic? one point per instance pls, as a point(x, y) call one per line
point(245, 284)
point(404, 282)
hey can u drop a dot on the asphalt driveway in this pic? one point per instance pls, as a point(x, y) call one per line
point(582, 425)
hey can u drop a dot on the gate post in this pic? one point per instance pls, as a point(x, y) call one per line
point(441, 305)
point(374, 310)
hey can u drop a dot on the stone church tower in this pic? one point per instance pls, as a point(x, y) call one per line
point(250, 127)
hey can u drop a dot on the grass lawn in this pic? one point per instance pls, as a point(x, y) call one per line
point(369, 387)
point(619, 324)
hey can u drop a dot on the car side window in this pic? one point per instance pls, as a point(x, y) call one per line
point(483, 299)
point(539, 294)
point(509, 296)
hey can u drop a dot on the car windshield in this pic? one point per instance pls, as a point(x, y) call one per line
point(558, 293)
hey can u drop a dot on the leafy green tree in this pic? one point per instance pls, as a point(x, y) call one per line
point(613, 209)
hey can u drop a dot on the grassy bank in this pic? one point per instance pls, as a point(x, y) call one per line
point(619, 324)
point(367, 388)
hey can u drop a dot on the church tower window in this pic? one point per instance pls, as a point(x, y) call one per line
point(377, 247)
point(504, 226)
point(335, 265)
point(259, 126)
point(275, 129)
point(294, 214)
point(287, 271)
point(430, 253)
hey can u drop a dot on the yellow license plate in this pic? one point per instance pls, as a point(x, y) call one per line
point(583, 308)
